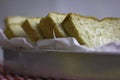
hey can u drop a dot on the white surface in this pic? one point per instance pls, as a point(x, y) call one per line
point(98, 8)
point(64, 44)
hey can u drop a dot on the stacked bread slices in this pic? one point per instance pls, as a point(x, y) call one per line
point(88, 31)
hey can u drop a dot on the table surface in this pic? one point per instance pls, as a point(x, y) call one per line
point(4, 76)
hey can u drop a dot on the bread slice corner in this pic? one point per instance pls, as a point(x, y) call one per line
point(14, 20)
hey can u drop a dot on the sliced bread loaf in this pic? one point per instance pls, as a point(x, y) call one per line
point(90, 31)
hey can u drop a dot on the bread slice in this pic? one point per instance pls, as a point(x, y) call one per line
point(50, 25)
point(14, 30)
point(13, 27)
point(90, 31)
point(15, 20)
point(30, 27)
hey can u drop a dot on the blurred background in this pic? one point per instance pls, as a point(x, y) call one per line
point(97, 8)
